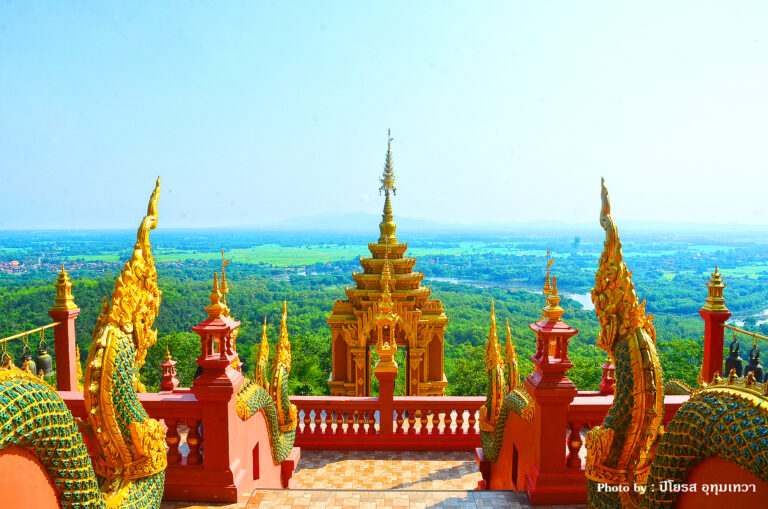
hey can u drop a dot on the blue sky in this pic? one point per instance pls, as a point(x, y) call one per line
point(254, 112)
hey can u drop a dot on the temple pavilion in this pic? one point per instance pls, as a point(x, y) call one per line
point(420, 321)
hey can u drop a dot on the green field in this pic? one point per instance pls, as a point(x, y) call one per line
point(282, 256)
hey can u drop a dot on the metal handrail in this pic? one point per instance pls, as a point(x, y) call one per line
point(28, 332)
point(742, 331)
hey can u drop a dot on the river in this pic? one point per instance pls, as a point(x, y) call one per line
point(585, 299)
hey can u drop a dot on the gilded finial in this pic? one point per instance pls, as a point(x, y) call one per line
point(715, 300)
point(388, 178)
point(547, 287)
point(224, 287)
point(387, 226)
point(261, 376)
point(283, 348)
point(510, 355)
point(552, 311)
point(216, 308)
point(64, 299)
point(492, 349)
point(167, 354)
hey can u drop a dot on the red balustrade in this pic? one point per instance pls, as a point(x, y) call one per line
point(588, 410)
point(418, 423)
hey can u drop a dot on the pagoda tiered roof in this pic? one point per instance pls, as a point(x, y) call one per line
point(406, 283)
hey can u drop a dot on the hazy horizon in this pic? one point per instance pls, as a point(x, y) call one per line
point(501, 112)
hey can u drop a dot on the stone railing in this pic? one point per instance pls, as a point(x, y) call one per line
point(416, 423)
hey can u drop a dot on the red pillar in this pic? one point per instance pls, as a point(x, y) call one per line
point(715, 314)
point(65, 312)
point(386, 369)
point(548, 479)
point(714, 336)
point(386, 405)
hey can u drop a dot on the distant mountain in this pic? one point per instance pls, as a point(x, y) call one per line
point(362, 222)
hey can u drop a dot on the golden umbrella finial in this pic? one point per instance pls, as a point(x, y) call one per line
point(387, 226)
point(547, 286)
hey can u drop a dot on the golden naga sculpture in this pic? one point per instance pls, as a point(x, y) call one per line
point(130, 447)
point(494, 368)
point(281, 368)
point(620, 450)
point(630, 456)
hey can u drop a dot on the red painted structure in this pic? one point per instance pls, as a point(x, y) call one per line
point(213, 455)
point(232, 456)
point(24, 482)
point(714, 334)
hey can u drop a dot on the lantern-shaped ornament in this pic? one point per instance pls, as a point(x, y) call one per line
point(44, 362)
point(26, 362)
point(734, 360)
point(754, 365)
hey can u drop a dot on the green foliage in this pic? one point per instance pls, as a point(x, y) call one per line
point(466, 374)
point(669, 274)
point(681, 359)
point(184, 348)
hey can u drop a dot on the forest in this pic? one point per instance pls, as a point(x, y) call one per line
point(464, 273)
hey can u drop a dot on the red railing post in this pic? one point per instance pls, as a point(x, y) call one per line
point(715, 314)
point(386, 395)
point(65, 312)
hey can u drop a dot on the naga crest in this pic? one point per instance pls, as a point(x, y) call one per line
point(616, 303)
point(136, 298)
point(132, 445)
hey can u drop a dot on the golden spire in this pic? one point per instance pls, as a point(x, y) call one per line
point(224, 287)
point(387, 225)
point(167, 354)
point(260, 373)
point(510, 354)
point(552, 311)
point(216, 309)
point(547, 287)
point(64, 299)
point(264, 346)
point(492, 349)
point(283, 348)
point(715, 299)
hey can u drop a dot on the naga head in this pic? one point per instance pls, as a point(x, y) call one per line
point(136, 298)
point(616, 304)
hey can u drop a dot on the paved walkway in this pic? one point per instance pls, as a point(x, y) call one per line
point(388, 470)
point(381, 479)
point(370, 499)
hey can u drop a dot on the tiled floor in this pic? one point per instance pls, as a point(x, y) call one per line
point(380, 479)
point(387, 470)
point(360, 499)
